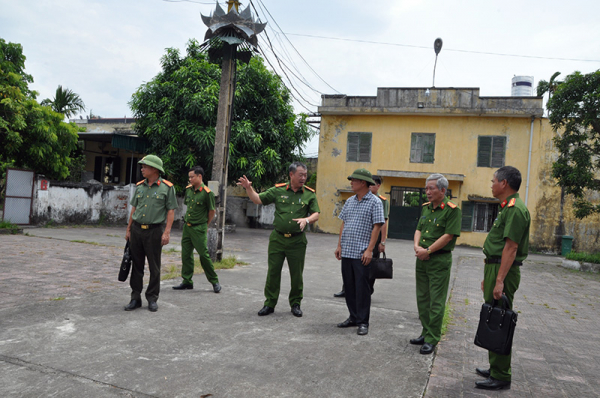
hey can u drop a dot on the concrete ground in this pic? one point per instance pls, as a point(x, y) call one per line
point(63, 331)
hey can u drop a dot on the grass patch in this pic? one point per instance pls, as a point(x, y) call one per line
point(174, 271)
point(466, 301)
point(85, 241)
point(58, 298)
point(583, 256)
point(447, 317)
point(10, 226)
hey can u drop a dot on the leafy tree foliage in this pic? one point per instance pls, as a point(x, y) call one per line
point(31, 135)
point(549, 87)
point(177, 113)
point(65, 101)
point(575, 113)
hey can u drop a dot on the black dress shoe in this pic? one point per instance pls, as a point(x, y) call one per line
point(183, 286)
point(427, 348)
point(346, 324)
point(340, 294)
point(133, 304)
point(216, 287)
point(362, 330)
point(483, 372)
point(152, 306)
point(296, 310)
point(266, 311)
point(418, 341)
point(492, 384)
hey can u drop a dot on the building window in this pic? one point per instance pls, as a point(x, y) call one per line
point(422, 147)
point(359, 147)
point(478, 216)
point(491, 151)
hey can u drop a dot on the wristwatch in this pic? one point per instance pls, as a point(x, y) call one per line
point(382, 243)
point(428, 251)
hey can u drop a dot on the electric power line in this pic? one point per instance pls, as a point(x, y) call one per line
point(445, 49)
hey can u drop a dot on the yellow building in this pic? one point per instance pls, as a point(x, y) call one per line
point(406, 134)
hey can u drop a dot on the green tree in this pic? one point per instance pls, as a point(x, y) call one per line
point(65, 101)
point(549, 87)
point(177, 112)
point(31, 136)
point(574, 111)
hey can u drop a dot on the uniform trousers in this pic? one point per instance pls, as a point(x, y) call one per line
point(294, 250)
point(500, 364)
point(145, 243)
point(358, 289)
point(433, 277)
point(194, 237)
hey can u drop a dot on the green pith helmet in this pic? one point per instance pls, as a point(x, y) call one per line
point(153, 161)
point(362, 174)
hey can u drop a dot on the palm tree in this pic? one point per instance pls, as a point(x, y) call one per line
point(66, 102)
point(544, 87)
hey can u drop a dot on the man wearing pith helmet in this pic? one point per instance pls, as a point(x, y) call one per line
point(434, 240)
point(362, 218)
point(153, 204)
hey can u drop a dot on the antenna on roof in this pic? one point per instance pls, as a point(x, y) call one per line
point(437, 47)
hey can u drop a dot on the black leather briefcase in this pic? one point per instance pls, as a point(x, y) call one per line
point(496, 327)
point(125, 264)
point(382, 268)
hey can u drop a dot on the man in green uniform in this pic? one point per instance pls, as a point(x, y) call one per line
point(200, 202)
point(295, 207)
point(505, 248)
point(380, 245)
point(153, 203)
point(435, 237)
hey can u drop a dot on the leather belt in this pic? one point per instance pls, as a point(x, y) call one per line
point(497, 260)
point(440, 252)
point(147, 226)
point(289, 235)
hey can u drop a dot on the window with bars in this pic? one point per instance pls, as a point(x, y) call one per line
point(477, 216)
point(359, 147)
point(491, 151)
point(422, 147)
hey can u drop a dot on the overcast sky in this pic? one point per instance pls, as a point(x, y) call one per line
point(104, 49)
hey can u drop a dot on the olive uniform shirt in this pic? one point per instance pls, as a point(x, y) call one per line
point(386, 206)
point(290, 205)
point(199, 202)
point(512, 222)
point(153, 202)
point(445, 219)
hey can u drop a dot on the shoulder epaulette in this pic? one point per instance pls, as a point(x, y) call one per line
point(141, 182)
point(382, 197)
point(309, 188)
point(512, 202)
point(425, 204)
point(283, 184)
point(206, 188)
point(452, 205)
point(189, 186)
point(169, 183)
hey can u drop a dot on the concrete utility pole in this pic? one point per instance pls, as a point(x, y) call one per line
point(226, 32)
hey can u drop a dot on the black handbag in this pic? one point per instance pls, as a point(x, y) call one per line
point(125, 264)
point(496, 327)
point(382, 268)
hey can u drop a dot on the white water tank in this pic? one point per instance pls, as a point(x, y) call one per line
point(522, 86)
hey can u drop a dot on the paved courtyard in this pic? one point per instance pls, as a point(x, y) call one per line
point(63, 331)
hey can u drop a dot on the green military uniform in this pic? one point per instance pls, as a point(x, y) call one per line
point(433, 275)
point(287, 240)
point(199, 203)
point(151, 206)
point(512, 222)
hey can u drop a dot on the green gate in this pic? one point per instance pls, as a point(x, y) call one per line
point(405, 210)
